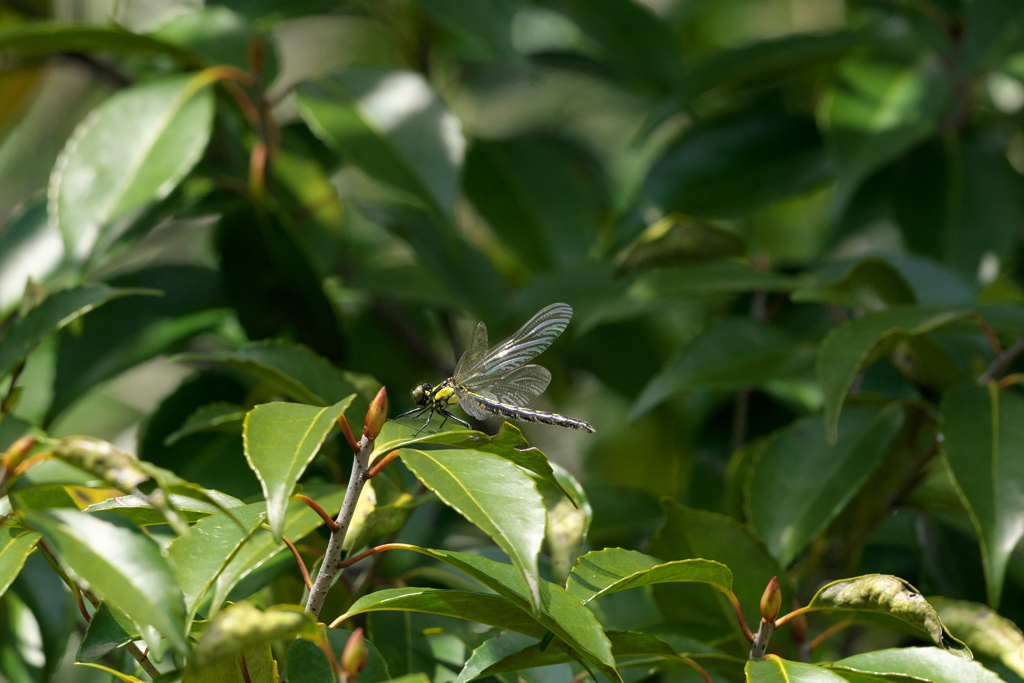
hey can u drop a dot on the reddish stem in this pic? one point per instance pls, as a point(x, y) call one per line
point(298, 560)
point(381, 464)
point(353, 444)
point(244, 668)
point(747, 633)
point(328, 520)
point(699, 669)
point(367, 553)
point(784, 619)
point(828, 633)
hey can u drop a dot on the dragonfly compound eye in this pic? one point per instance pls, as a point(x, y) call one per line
point(421, 393)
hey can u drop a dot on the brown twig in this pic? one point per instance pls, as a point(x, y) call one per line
point(330, 566)
point(298, 561)
point(1002, 362)
point(331, 524)
point(759, 646)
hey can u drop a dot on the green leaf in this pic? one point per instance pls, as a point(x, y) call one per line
point(876, 110)
point(45, 38)
point(541, 195)
point(305, 662)
point(614, 25)
point(874, 594)
point(746, 160)
point(509, 443)
point(982, 430)
point(847, 349)
point(121, 566)
point(678, 239)
point(957, 198)
point(141, 512)
point(15, 547)
point(393, 127)
point(801, 482)
point(711, 278)
point(262, 546)
point(271, 280)
point(987, 633)
point(129, 331)
point(291, 368)
point(108, 630)
point(382, 509)
point(775, 58)
point(217, 416)
point(29, 248)
point(920, 663)
point(611, 570)
point(134, 149)
point(219, 36)
point(569, 517)
point(558, 611)
point(773, 669)
point(46, 597)
point(281, 439)
point(727, 355)
point(54, 312)
point(201, 555)
point(492, 493)
point(127, 678)
point(510, 651)
point(242, 626)
point(698, 534)
point(483, 608)
point(871, 283)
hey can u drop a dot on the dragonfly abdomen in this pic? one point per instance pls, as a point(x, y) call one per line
point(526, 414)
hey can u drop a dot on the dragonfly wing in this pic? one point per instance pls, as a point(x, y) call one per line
point(468, 404)
point(475, 350)
point(532, 338)
point(517, 388)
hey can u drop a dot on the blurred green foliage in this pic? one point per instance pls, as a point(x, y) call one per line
point(790, 230)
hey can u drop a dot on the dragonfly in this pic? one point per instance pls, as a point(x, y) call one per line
point(498, 380)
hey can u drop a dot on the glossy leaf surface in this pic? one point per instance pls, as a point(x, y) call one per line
point(984, 432)
point(134, 149)
point(280, 441)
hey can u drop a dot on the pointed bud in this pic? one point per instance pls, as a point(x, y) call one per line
point(771, 601)
point(377, 415)
point(353, 657)
point(798, 625)
point(17, 452)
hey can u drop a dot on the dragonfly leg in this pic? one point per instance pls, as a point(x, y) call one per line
point(430, 416)
point(461, 422)
point(415, 411)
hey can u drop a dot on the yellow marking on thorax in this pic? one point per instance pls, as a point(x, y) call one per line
point(445, 395)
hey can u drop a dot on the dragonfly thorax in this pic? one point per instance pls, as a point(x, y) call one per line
point(442, 395)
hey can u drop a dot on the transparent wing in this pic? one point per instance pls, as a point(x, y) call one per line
point(532, 338)
point(517, 388)
point(469, 405)
point(475, 350)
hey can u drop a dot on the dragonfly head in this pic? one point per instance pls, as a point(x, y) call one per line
point(421, 394)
